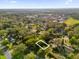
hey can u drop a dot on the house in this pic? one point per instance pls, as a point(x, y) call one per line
point(11, 39)
point(3, 48)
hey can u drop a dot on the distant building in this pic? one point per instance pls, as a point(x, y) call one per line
point(66, 41)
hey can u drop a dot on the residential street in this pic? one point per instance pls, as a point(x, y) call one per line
point(7, 54)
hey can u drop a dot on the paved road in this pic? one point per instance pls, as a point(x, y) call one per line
point(7, 54)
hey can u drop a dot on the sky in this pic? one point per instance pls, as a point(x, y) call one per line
point(38, 4)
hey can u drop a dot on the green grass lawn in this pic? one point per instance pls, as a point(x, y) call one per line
point(2, 57)
point(71, 21)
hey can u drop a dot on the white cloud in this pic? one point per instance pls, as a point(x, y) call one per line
point(13, 1)
point(68, 2)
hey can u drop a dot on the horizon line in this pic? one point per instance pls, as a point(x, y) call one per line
point(39, 8)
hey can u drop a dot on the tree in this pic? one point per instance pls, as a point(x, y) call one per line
point(31, 55)
point(18, 52)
